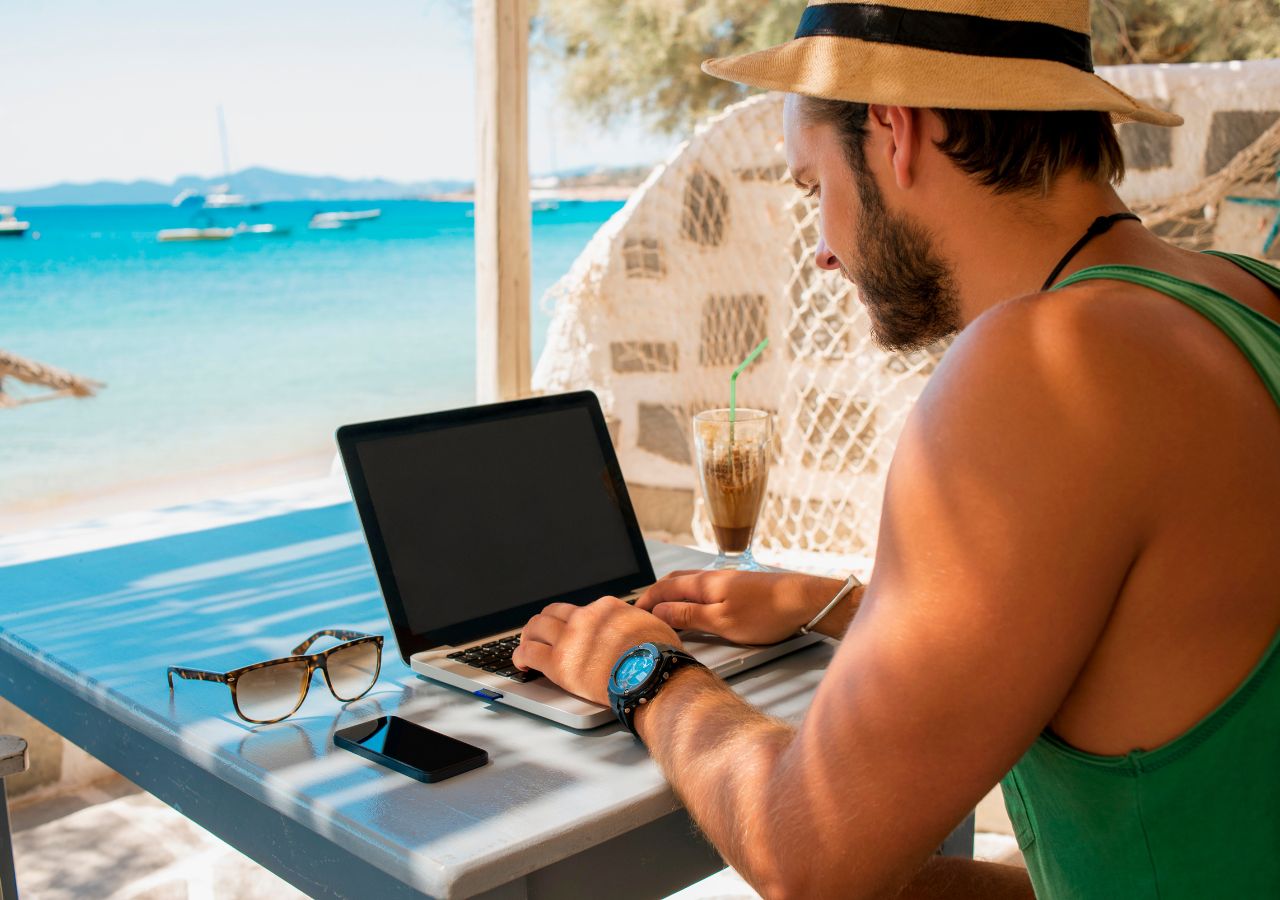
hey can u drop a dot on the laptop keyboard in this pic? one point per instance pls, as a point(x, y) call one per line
point(495, 657)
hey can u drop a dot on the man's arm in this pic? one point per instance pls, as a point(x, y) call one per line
point(1004, 539)
point(1010, 522)
point(717, 753)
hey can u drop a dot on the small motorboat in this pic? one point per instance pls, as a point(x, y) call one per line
point(195, 234)
point(319, 222)
point(264, 229)
point(9, 224)
point(342, 219)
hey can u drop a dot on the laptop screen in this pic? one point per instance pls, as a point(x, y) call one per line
point(484, 516)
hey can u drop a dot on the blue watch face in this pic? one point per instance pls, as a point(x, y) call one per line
point(633, 671)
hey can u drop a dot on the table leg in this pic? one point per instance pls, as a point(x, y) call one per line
point(8, 880)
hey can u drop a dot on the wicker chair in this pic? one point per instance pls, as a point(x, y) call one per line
point(714, 252)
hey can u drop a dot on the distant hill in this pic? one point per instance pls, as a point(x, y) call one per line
point(257, 184)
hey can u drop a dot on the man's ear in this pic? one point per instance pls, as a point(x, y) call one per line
point(901, 129)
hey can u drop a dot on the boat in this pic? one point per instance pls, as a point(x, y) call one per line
point(188, 197)
point(263, 229)
point(217, 196)
point(211, 233)
point(9, 224)
point(220, 197)
point(342, 219)
point(321, 223)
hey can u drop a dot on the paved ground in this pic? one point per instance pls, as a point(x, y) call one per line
point(115, 842)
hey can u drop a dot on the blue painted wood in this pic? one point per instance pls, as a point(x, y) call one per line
point(85, 641)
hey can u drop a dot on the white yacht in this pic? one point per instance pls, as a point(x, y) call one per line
point(216, 196)
point(325, 220)
point(220, 197)
point(263, 229)
point(195, 234)
point(9, 224)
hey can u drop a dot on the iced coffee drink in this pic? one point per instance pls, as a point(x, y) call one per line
point(733, 465)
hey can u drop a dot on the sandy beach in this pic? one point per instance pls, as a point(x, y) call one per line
point(172, 490)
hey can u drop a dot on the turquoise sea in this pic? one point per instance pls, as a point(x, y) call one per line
point(219, 354)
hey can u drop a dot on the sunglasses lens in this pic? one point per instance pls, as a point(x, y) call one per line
point(271, 692)
point(353, 670)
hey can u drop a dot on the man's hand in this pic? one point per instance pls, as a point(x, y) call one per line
point(744, 607)
point(576, 646)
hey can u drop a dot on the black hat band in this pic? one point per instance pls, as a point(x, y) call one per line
point(948, 32)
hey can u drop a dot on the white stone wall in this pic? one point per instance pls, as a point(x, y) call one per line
point(1226, 106)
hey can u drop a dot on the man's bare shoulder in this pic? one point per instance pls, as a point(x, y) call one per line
point(1056, 393)
point(1094, 324)
point(1109, 358)
point(1089, 359)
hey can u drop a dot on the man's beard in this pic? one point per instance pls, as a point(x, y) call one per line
point(907, 287)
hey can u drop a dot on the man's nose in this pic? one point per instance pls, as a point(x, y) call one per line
point(824, 257)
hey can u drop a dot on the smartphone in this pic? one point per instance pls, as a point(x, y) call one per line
point(411, 749)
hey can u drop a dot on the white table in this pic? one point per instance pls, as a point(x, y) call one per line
point(85, 639)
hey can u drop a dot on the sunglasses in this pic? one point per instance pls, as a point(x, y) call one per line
point(269, 691)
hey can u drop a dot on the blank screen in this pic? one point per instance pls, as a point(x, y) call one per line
point(481, 517)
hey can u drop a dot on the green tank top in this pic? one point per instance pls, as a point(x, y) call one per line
point(1198, 817)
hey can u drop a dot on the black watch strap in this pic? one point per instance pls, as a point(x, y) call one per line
point(670, 659)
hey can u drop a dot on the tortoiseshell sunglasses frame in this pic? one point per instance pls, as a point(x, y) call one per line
point(313, 660)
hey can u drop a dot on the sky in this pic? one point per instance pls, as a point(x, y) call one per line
point(130, 89)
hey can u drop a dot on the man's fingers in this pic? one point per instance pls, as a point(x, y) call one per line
point(686, 586)
point(542, 629)
point(561, 611)
point(689, 616)
point(532, 655)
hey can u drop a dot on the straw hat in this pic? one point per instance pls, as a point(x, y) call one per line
point(951, 54)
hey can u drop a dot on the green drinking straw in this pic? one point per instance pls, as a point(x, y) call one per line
point(733, 383)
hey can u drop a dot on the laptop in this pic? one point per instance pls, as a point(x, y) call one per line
point(478, 518)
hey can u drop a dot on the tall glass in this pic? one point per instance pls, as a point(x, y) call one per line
point(733, 466)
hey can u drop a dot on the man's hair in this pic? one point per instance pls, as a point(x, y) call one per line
point(1011, 152)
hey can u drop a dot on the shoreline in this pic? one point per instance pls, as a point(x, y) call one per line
point(175, 489)
point(592, 193)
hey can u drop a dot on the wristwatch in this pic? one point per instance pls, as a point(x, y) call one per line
point(639, 674)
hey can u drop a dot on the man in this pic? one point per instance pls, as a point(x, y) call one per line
point(1079, 554)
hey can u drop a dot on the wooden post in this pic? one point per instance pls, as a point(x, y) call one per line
point(502, 214)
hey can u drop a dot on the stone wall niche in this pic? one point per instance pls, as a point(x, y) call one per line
point(731, 327)
point(1233, 130)
point(706, 209)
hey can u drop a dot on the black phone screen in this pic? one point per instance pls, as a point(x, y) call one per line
point(411, 749)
